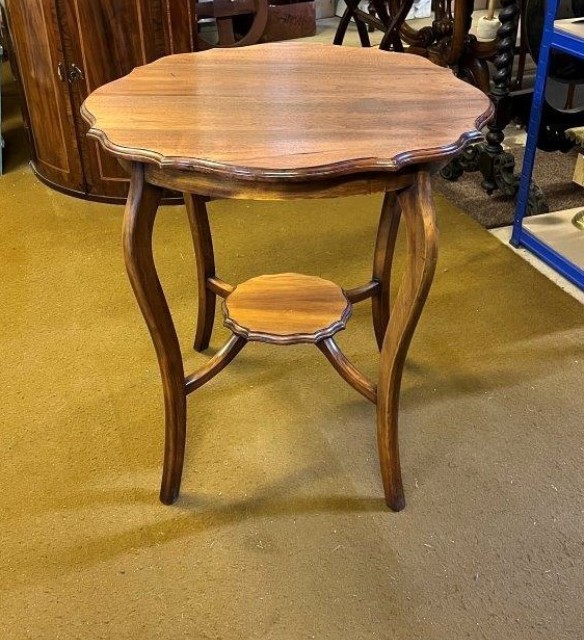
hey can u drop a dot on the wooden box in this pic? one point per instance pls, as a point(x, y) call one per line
point(287, 21)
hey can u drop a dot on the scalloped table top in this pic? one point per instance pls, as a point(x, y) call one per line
point(285, 110)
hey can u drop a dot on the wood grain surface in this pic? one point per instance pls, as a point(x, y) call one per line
point(139, 220)
point(419, 217)
point(286, 308)
point(287, 110)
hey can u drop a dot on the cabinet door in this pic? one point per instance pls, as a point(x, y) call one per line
point(179, 26)
point(104, 40)
point(55, 154)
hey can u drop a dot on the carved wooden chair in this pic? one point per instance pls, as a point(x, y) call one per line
point(380, 15)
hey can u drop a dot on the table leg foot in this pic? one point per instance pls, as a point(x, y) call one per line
point(205, 260)
point(175, 408)
point(422, 250)
point(382, 261)
point(139, 218)
point(466, 161)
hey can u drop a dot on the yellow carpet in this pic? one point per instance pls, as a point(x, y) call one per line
point(281, 531)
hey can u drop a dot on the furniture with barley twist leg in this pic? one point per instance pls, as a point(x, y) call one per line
point(258, 123)
point(448, 42)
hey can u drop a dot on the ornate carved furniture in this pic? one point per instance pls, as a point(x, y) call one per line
point(468, 57)
point(447, 42)
point(282, 146)
point(376, 16)
point(496, 165)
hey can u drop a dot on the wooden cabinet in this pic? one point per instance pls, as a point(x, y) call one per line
point(63, 50)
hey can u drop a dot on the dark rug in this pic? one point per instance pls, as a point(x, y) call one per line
point(553, 173)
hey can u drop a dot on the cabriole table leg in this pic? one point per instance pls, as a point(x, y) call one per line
point(382, 261)
point(422, 250)
point(205, 259)
point(139, 217)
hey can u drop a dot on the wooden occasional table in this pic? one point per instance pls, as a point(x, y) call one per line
point(278, 122)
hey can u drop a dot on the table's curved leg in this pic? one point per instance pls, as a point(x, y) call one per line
point(139, 217)
point(382, 261)
point(422, 251)
point(205, 260)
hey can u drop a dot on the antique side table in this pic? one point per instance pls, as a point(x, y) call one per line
point(277, 122)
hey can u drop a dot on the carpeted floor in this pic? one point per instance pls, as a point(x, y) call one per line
point(281, 531)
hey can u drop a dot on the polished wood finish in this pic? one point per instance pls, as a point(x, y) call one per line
point(238, 188)
point(177, 133)
point(305, 130)
point(220, 287)
point(382, 261)
point(447, 42)
point(37, 52)
point(139, 218)
point(362, 292)
point(216, 364)
point(286, 308)
point(347, 370)
point(63, 50)
point(422, 250)
point(179, 26)
point(105, 40)
point(205, 260)
point(487, 65)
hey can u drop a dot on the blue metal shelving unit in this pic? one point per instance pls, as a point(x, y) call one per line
point(566, 36)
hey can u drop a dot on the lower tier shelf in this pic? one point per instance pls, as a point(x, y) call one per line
point(286, 308)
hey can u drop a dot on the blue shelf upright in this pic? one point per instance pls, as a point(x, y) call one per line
point(566, 36)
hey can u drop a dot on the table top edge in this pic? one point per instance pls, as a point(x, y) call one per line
point(219, 170)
